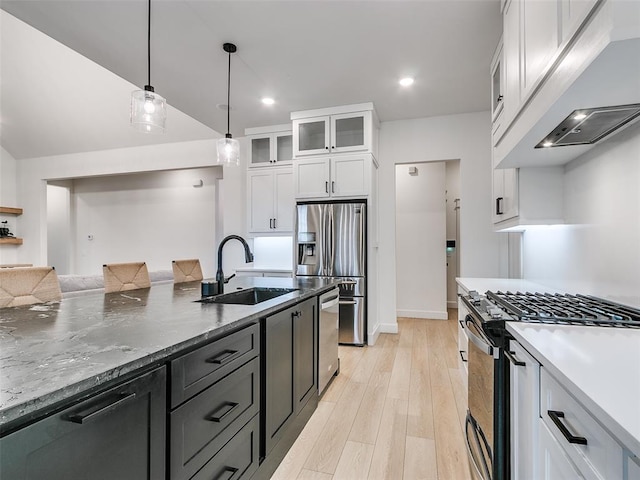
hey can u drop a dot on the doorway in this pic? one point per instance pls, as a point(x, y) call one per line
point(427, 238)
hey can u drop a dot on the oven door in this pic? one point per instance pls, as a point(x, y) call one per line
point(480, 423)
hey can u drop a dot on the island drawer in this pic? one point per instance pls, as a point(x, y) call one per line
point(601, 456)
point(204, 424)
point(237, 459)
point(195, 371)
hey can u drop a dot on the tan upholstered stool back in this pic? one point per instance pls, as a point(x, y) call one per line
point(28, 285)
point(186, 270)
point(119, 277)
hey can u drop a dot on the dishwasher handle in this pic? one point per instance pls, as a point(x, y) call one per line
point(330, 302)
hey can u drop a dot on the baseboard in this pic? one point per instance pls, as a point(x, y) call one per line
point(388, 328)
point(372, 337)
point(452, 304)
point(422, 314)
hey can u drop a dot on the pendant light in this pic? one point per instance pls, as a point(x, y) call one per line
point(148, 109)
point(228, 147)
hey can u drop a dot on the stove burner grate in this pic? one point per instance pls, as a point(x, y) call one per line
point(566, 309)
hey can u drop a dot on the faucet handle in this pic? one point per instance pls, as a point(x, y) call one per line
point(226, 280)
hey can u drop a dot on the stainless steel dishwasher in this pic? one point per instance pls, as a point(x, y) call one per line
point(328, 326)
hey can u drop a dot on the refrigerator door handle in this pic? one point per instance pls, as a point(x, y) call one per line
point(347, 302)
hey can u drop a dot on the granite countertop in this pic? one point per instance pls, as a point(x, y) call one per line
point(599, 366)
point(53, 352)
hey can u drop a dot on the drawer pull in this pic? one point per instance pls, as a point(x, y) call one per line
point(512, 358)
point(109, 403)
point(227, 474)
point(556, 416)
point(226, 409)
point(462, 356)
point(223, 357)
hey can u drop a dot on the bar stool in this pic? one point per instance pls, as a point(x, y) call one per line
point(120, 277)
point(186, 270)
point(28, 285)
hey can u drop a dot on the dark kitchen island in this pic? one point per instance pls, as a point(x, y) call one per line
point(56, 357)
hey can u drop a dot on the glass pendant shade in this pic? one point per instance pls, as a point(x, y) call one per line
point(228, 151)
point(148, 111)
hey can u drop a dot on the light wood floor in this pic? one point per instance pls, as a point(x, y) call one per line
point(396, 411)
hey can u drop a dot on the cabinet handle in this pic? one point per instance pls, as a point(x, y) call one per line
point(227, 474)
point(295, 314)
point(499, 99)
point(271, 223)
point(556, 416)
point(224, 357)
point(512, 358)
point(333, 187)
point(462, 356)
point(499, 205)
point(107, 404)
point(274, 224)
point(326, 187)
point(226, 409)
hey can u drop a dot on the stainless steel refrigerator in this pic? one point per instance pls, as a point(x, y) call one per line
point(331, 242)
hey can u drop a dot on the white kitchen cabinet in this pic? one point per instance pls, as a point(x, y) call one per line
point(271, 202)
point(505, 194)
point(497, 83)
point(344, 176)
point(561, 56)
point(539, 40)
point(530, 196)
point(269, 146)
point(345, 129)
point(511, 61)
point(553, 463)
point(525, 412)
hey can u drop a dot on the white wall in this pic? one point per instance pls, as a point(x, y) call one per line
point(61, 241)
point(421, 286)
point(33, 175)
point(465, 137)
point(154, 217)
point(453, 193)
point(598, 251)
point(8, 198)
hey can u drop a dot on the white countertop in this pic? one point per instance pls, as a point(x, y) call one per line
point(600, 366)
point(481, 285)
point(264, 269)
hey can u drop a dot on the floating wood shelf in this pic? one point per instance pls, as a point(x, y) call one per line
point(11, 210)
point(10, 241)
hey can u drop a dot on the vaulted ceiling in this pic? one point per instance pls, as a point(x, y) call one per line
point(305, 54)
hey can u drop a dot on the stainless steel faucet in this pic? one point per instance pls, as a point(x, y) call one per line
point(248, 257)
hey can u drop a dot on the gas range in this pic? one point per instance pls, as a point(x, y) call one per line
point(494, 308)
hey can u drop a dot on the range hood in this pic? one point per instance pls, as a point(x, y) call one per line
point(590, 125)
point(598, 76)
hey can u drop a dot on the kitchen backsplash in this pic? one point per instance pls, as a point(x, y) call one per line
point(273, 252)
point(598, 251)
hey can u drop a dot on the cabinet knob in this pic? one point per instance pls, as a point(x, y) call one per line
point(499, 99)
point(326, 148)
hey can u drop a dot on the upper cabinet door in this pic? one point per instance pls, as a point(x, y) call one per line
point(311, 136)
point(540, 40)
point(350, 132)
point(312, 178)
point(497, 83)
point(261, 148)
point(283, 143)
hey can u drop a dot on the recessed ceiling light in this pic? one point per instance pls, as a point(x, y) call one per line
point(406, 81)
point(268, 101)
point(547, 144)
point(580, 116)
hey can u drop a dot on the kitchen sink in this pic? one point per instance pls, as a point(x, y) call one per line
point(249, 296)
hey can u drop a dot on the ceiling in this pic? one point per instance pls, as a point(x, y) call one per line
point(305, 54)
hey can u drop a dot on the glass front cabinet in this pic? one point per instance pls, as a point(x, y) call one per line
point(270, 145)
point(339, 132)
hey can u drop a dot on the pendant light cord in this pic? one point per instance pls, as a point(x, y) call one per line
point(149, 44)
point(228, 93)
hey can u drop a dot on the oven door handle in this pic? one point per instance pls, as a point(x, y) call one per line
point(483, 474)
point(479, 342)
